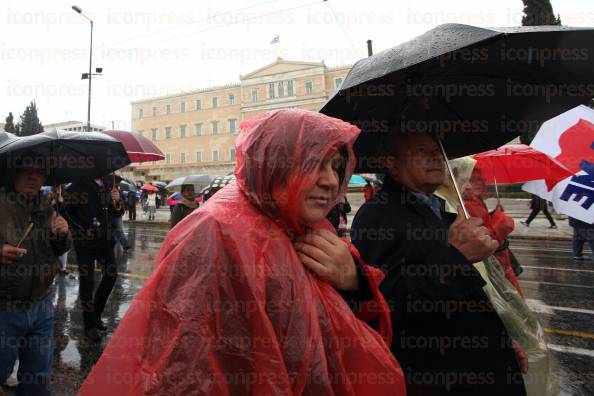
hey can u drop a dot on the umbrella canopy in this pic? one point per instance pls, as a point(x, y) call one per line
point(150, 187)
point(477, 88)
point(67, 156)
point(198, 181)
point(159, 184)
point(215, 185)
point(126, 185)
point(357, 180)
point(139, 148)
point(174, 199)
point(518, 163)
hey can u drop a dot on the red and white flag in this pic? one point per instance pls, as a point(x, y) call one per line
point(569, 138)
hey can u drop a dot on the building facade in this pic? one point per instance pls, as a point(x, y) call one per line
point(197, 130)
point(76, 126)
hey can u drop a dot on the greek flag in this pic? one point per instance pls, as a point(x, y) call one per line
point(275, 40)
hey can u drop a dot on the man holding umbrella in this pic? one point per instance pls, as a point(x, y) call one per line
point(91, 208)
point(32, 236)
point(447, 336)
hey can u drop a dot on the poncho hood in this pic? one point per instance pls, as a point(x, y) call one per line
point(278, 153)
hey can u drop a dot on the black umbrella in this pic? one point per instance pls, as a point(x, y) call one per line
point(474, 87)
point(198, 181)
point(215, 185)
point(67, 156)
point(127, 185)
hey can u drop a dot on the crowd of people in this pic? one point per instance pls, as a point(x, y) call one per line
point(264, 290)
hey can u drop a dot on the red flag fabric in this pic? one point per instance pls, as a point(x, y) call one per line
point(230, 308)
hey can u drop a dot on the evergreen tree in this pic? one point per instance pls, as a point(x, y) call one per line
point(537, 13)
point(30, 124)
point(9, 126)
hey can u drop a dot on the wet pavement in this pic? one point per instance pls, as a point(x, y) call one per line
point(558, 289)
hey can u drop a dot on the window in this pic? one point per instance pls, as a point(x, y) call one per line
point(215, 155)
point(215, 101)
point(271, 94)
point(308, 87)
point(141, 133)
point(337, 83)
point(182, 131)
point(167, 158)
point(140, 113)
point(231, 99)
point(198, 156)
point(154, 134)
point(154, 111)
point(168, 109)
point(232, 154)
point(198, 129)
point(182, 107)
point(232, 125)
point(198, 104)
point(254, 95)
point(182, 158)
point(281, 89)
point(167, 132)
point(215, 127)
point(290, 88)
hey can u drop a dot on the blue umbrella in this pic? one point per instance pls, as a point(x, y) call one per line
point(357, 180)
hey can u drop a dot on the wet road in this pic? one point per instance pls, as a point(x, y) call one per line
point(558, 289)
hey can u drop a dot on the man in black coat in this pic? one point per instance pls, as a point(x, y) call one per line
point(91, 207)
point(447, 337)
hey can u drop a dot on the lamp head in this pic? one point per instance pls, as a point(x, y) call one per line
point(77, 9)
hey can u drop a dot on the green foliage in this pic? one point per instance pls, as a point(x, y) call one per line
point(29, 123)
point(9, 126)
point(539, 12)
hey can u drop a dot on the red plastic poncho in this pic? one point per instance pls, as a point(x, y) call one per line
point(499, 226)
point(230, 308)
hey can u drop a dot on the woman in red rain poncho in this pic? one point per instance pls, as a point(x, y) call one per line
point(244, 298)
point(498, 224)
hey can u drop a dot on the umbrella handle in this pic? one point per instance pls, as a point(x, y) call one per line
point(496, 190)
point(449, 168)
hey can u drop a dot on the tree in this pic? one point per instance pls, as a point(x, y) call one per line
point(9, 126)
point(537, 13)
point(29, 124)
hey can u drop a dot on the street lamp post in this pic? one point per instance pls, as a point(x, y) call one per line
point(90, 74)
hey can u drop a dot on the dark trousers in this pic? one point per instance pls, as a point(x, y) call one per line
point(537, 209)
point(132, 212)
point(93, 306)
point(580, 236)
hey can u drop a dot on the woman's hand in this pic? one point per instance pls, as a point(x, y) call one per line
point(329, 257)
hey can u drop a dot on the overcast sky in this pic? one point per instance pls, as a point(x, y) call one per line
point(149, 48)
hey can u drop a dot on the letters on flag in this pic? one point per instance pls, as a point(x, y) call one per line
point(569, 138)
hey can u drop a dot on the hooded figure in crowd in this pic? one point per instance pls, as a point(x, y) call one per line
point(251, 292)
point(185, 206)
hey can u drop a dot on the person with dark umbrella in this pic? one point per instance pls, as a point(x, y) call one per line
point(185, 206)
point(447, 336)
point(91, 207)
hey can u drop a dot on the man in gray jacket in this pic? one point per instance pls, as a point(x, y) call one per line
point(32, 236)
